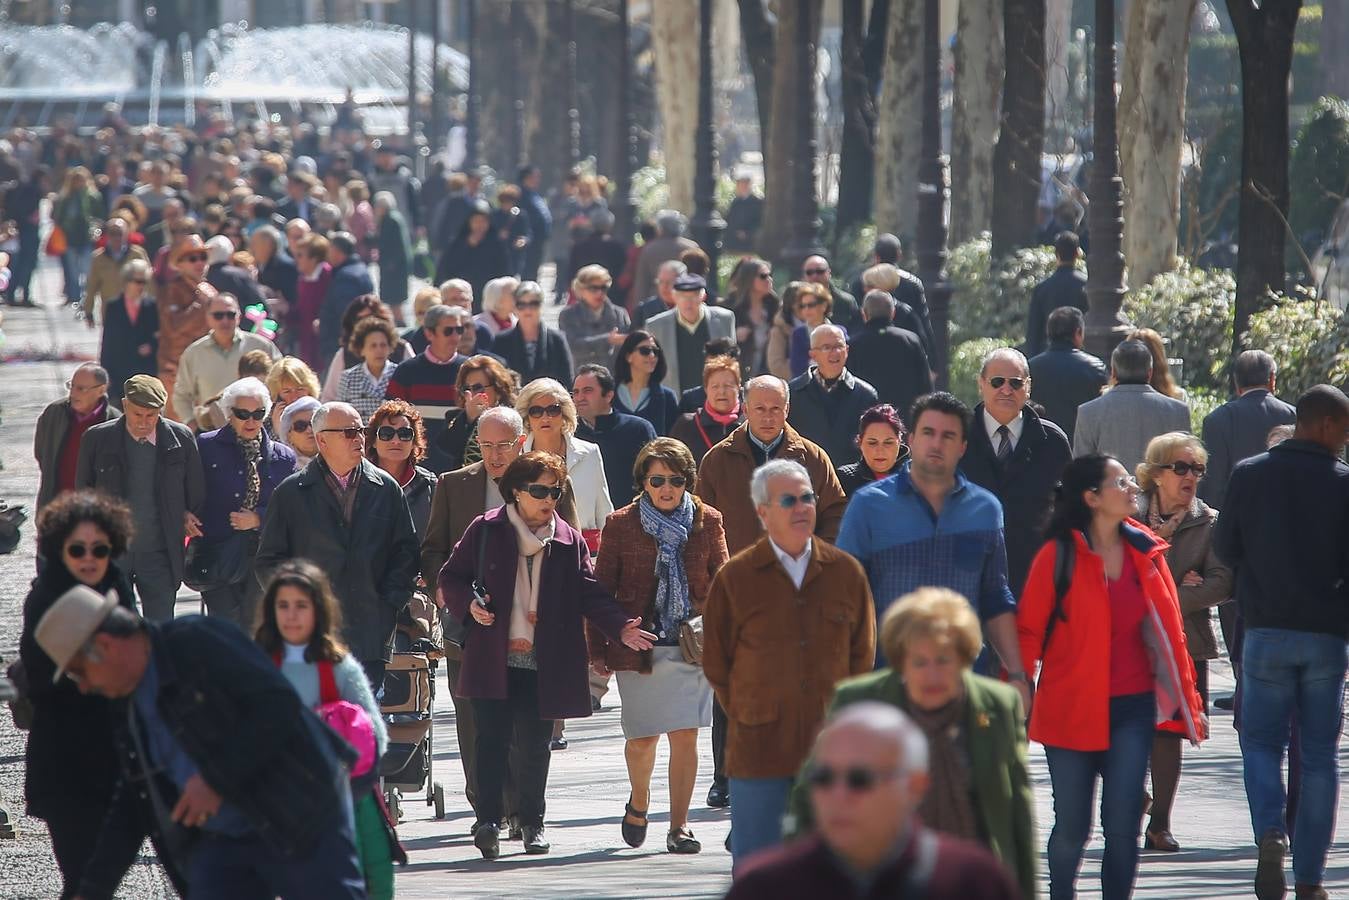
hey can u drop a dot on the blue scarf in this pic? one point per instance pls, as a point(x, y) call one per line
point(671, 533)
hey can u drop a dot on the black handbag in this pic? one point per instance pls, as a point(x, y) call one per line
point(213, 565)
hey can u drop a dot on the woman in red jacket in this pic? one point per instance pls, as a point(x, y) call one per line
point(1113, 666)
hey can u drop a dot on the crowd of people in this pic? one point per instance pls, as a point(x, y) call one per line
point(749, 508)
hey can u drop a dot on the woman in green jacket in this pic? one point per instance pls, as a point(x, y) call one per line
point(979, 786)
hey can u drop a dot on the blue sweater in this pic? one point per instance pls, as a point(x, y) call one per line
point(620, 438)
point(352, 687)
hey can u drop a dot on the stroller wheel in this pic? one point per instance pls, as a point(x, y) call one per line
point(440, 800)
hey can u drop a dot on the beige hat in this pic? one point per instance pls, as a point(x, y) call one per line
point(71, 622)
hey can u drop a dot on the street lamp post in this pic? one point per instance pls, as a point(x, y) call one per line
point(471, 99)
point(573, 111)
point(412, 75)
point(1106, 327)
point(934, 193)
point(437, 125)
point(707, 222)
point(625, 160)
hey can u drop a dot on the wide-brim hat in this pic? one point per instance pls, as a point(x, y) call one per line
point(72, 620)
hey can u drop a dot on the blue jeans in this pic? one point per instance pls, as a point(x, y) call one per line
point(756, 815)
point(1122, 769)
point(75, 264)
point(1287, 675)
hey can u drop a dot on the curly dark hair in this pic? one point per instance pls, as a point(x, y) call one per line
point(326, 642)
point(363, 307)
point(368, 326)
point(527, 469)
point(63, 515)
point(392, 409)
point(502, 378)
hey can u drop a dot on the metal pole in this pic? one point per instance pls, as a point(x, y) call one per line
point(517, 155)
point(573, 112)
point(471, 100)
point(1106, 326)
point(412, 74)
point(625, 161)
point(707, 222)
point(437, 97)
point(934, 193)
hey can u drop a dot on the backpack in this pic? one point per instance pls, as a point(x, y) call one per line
point(1065, 556)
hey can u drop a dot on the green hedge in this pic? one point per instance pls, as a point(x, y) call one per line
point(992, 303)
point(965, 361)
point(1306, 338)
point(1194, 309)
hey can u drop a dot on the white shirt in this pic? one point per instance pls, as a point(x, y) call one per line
point(795, 566)
point(493, 497)
point(991, 425)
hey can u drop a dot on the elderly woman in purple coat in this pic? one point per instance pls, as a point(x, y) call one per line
point(520, 580)
point(242, 466)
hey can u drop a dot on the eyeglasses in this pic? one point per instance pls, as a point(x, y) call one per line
point(1182, 468)
point(98, 551)
point(475, 388)
point(222, 315)
point(350, 434)
point(499, 446)
point(243, 415)
point(552, 411)
point(528, 304)
point(817, 271)
point(658, 481)
point(544, 491)
point(1123, 483)
point(388, 433)
point(137, 281)
point(594, 287)
point(855, 778)
point(787, 501)
point(452, 329)
point(997, 381)
point(831, 348)
point(84, 388)
point(300, 425)
point(193, 258)
point(648, 350)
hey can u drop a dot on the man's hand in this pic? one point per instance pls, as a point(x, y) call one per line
point(197, 803)
point(616, 337)
point(1023, 689)
point(634, 638)
point(191, 525)
point(245, 520)
point(1192, 579)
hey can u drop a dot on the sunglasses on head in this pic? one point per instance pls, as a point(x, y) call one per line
point(1182, 468)
point(98, 551)
point(552, 411)
point(997, 381)
point(388, 433)
point(243, 415)
point(351, 433)
point(452, 329)
point(223, 314)
point(855, 778)
point(544, 491)
point(300, 425)
point(647, 350)
point(817, 271)
point(658, 481)
point(528, 304)
point(787, 501)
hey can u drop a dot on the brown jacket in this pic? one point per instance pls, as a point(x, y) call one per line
point(774, 653)
point(627, 567)
point(723, 483)
point(182, 319)
point(1191, 550)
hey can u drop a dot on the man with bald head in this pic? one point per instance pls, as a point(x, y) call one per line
point(844, 310)
point(867, 778)
point(827, 399)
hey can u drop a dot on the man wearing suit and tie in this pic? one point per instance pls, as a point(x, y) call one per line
point(1125, 418)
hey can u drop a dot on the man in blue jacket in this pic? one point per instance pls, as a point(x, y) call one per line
point(351, 279)
point(620, 436)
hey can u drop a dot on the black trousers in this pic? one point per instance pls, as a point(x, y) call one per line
point(74, 837)
point(719, 723)
point(237, 603)
point(511, 735)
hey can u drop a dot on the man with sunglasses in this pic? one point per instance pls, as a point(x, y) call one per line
point(868, 776)
point(427, 380)
point(349, 517)
point(785, 621)
point(1122, 421)
point(211, 363)
point(153, 465)
point(843, 309)
point(1016, 455)
point(182, 304)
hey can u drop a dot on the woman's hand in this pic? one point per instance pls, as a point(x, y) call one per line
point(634, 638)
point(475, 405)
point(245, 520)
point(599, 668)
point(481, 615)
point(1192, 579)
point(742, 333)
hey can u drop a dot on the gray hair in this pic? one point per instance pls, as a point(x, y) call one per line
point(1131, 362)
point(321, 414)
point(769, 383)
point(1253, 368)
point(503, 415)
point(270, 233)
point(670, 222)
point(883, 720)
point(249, 388)
point(137, 269)
point(493, 290)
point(100, 374)
point(384, 200)
point(671, 266)
point(529, 289)
point(878, 305)
point(827, 329)
point(1008, 353)
point(774, 468)
point(457, 284)
point(431, 321)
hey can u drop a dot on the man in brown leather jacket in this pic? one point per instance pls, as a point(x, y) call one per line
point(182, 308)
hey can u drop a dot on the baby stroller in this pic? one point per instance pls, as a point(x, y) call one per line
point(407, 707)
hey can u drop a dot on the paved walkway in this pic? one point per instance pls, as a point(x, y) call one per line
point(588, 784)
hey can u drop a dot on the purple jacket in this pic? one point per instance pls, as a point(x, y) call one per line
point(568, 593)
point(222, 462)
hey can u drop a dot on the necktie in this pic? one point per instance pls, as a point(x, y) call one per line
point(1004, 443)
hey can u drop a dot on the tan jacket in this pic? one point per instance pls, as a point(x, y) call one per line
point(182, 319)
point(105, 280)
point(774, 653)
point(1191, 550)
point(778, 355)
point(723, 484)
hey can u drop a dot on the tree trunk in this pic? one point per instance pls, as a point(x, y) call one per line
point(899, 111)
point(1021, 135)
point(674, 24)
point(1058, 36)
point(857, 160)
point(1265, 42)
point(500, 82)
point(1152, 130)
point(1335, 49)
point(759, 33)
point(974, 117)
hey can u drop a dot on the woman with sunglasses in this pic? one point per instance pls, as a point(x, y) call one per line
point(813, 305)
point(980, 787)
point(880, 437)
point(521, 581)
point(364, 384)
point(750, 296)
point(658, 557)
point(481, 383)
point(1169, 477)
point(639, 369)
point(1101, 615)
point(242, 465)
point(533, 348)
point(395, 440)
point(550, 421)
point(130, 330)
point(70, 752)
point(722, 410)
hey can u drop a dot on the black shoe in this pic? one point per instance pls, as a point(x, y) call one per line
point(535, 845)
point(557, 744)
point(513, 832)
point(1270, 882)
point(682, 841)
point(486, 839)
point(718, 796)
point(1227, 703)
point(595, 704)
point(633, 835)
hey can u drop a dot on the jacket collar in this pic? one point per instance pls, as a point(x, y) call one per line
point(739, 440)
point(562, 532)
point(1137, 537)
point(904, 482)
point(762, 557)
point(1133, 389)
point(1296, 445)
point(313, 473)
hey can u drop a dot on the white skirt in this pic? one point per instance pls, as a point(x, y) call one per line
point(675, 696)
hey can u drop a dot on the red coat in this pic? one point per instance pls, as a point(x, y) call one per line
point(1072, 699)
point(308, 300)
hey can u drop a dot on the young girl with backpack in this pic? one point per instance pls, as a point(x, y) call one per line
point(300, 628)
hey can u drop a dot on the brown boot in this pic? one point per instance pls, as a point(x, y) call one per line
point(1311, 892)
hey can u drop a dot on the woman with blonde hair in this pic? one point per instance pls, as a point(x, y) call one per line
point(78, 211)
point(1169, 478)
point(289, 379)
point(550, 423)
point(1161, 380)
point(812, 303)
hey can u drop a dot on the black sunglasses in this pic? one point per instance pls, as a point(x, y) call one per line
point(787, 501)
point(222, 315)
point(98, 551)
point(475, 388)
point(300, 425)
point(451, 329)
point(388, 433)
point(543, 491)
point(243, 415)
point(528, 304)
point(350, 434)
point(648, 350)
point(1182, 468)
point(817, 271)
point(594, 287)
point(854, 778)
point(997, 381)
point(552, 411)
point(657, 481)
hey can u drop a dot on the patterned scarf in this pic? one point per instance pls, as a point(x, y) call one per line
point(671, 533)
point(1163, 527)
point(252, 480)
point(948, 806)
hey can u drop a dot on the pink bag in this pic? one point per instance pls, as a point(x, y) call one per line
point(354, 725)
